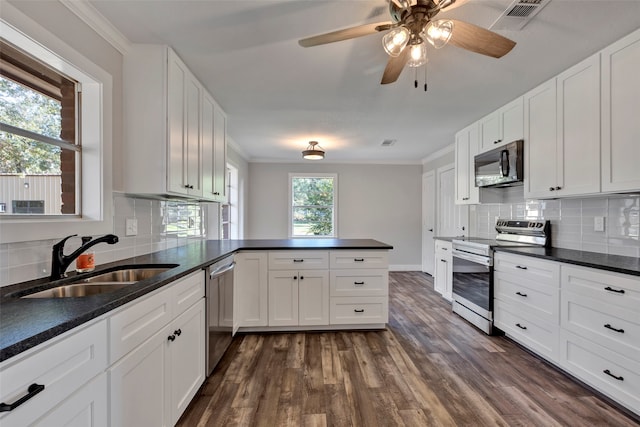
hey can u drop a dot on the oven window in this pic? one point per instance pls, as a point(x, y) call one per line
point(472, 282)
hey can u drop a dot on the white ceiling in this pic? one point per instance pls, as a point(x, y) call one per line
point(278, 95)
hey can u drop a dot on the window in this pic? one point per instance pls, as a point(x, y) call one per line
point(76, 96)
point(229, 210)
point(313, 205)
point(38, 121)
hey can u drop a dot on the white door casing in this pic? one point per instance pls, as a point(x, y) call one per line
point(428, 220)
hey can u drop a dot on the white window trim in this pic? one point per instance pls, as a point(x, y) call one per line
point(96, 174)
point(335, 203)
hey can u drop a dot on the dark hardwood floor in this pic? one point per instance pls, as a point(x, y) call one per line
point(429, 368)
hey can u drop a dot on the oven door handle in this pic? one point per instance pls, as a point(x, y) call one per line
point(478, 259)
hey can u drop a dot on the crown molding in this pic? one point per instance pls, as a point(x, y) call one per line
point(101, 25)
point(237, 149)
point(441, 152)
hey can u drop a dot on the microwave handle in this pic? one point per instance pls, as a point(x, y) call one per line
point(504, 162)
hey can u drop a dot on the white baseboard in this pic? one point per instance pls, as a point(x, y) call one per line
point(405, 267)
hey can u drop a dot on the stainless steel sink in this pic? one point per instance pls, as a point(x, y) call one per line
point(102, 283)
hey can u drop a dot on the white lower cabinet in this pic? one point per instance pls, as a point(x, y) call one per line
point(251, 282)
point(51, 375)
point(443, 275)
point(585, 320)
point(153, 383)
point(298, 297)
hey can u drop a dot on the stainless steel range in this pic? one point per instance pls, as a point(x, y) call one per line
point(473, 267)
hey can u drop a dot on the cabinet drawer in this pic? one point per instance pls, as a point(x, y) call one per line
point(538, 299)
point(616, 328)
point(612, 288)
point(547, 272)
point(359, 259)
point(589, 361)
point(186, 292)
point(299, 260)
point(358, 310)
point(363, 282)
point(132, 326)
point(443, 247)
point(536, 334)
point(62, 367)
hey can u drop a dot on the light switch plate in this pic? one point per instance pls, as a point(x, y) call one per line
point(131, 227)
point(598, 223)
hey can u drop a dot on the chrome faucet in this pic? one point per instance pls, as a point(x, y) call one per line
point(60, 262)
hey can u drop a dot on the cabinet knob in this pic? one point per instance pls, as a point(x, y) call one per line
point(295, 277)
point(558, 188)
point(552, 189)
point(465, 198)
point(497, 141)
point(177, 332)
point(431, 230)
point(301, 277)
point(443, 260)
point(171, 337)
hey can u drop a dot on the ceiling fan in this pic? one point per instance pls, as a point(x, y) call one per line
point(411, 26)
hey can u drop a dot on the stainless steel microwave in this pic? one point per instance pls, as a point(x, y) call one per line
point(500, 167)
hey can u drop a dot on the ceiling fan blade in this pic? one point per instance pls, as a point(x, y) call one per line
point(480, 40)
point(447, 5)
point(395, 66)
point(345, 34)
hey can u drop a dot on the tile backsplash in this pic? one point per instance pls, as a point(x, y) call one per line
point(162, 224)
point(572, 220)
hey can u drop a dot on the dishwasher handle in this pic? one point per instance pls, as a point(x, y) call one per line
point(222, 269)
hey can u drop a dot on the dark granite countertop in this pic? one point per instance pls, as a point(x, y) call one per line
point(615, 263)
point(25, 323)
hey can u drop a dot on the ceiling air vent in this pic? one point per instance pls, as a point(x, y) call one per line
point(388, 142)
point(518, 14)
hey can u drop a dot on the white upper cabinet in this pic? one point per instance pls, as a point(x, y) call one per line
point(466, 148)
point(562, 133)
point(620, 110)
point(502, 126)
point(172, 127)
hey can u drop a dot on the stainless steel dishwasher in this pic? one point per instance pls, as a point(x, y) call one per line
point(220, 297)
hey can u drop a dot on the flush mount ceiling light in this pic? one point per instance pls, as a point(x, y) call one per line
point(313, 151)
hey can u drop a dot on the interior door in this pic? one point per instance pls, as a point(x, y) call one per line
point(452, 219)
point(428, 220)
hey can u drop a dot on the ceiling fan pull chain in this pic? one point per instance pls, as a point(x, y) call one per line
point(415, 83)
point(425, 78)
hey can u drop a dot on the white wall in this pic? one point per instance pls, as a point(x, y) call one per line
point(381, 202)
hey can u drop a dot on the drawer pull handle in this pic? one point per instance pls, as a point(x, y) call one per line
point(520, 326)
point(610, 289)
point(608, 372)
point(358, 283)
point(298, 260)
point(31, 391)
point(521, 294)
point(359, 311)
point(443, 260)
point(358, 259)
point(608, 326)
point(521, 267)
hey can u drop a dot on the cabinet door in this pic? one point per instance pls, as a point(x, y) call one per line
point(512, 121)
point(186, 358)
point(313, 298)
point(578, 156)
point(620, 106)
point(176, 112)
point(465, 150)
point(219, 155)
point(138, 386)
point(540, 141)
point(86, 408)
point(490, 131)
point(283, 298)
point(191, 155)
point(206, 136)
point(251, 286)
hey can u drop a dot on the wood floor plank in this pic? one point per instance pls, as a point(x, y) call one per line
point(428, 368)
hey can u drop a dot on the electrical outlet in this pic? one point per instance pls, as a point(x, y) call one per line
point(598, 223)
point(131, 227)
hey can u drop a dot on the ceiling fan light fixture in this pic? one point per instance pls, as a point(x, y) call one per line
point(313, 151)
point(418, 55)
point(396, 40)
point(438, 33)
